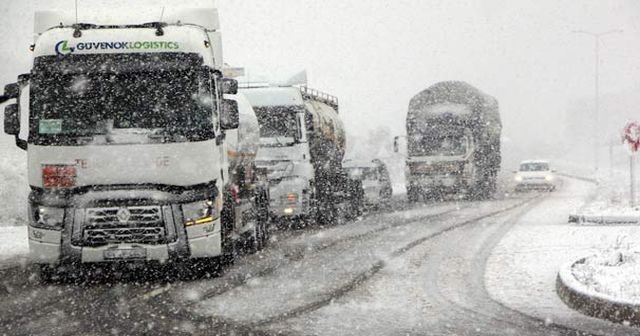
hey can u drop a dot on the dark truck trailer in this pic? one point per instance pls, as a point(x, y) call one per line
point(453, 137)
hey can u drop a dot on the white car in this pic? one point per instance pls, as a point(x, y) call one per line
point(535, 174)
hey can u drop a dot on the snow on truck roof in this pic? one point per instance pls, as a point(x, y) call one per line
point(456, 93)
point(273, 96)
point(183, 31)
point(103, 41)
point(203, 17)
point(534, 161)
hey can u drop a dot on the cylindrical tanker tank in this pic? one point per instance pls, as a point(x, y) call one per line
point(327, 135)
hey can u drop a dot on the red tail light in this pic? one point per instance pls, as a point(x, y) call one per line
point(58, 176)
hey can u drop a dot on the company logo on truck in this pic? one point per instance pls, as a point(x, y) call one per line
point(64, 47)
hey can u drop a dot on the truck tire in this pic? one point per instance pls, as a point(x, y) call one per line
point(227, 221)
point(264, 218)
point(48, 274)
point(260, 235)
point(312, 218)
point(413, 195)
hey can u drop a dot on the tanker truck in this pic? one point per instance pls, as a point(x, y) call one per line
point(302, 143)
point(125, 128)
point(453, 142)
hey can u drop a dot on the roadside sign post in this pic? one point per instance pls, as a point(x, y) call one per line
point(631, 137)
point(632, 178)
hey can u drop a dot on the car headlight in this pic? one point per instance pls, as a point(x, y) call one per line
point(200, 212)
point(47, 218)
point(549, 177)
point(518, 178)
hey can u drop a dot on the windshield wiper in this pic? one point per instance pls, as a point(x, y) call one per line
point(279, 142)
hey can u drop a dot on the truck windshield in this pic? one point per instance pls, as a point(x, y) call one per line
point(278, 125)
point(448, 145)
point(91, 95)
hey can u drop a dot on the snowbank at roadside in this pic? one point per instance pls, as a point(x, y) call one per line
point(14, 188)
point(604, 285)
point(522, 270)
point(14, 243)
point(614, 274)
point(610, 204)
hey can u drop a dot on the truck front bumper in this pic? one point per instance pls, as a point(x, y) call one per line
point(49, 247)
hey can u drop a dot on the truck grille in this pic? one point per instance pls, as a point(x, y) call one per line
point(136, 224)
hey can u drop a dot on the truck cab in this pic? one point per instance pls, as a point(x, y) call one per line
point(284, 149)
point(124, 127)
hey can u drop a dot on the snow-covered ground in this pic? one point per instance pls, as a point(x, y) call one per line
point(13, 183)
point(522, 269)
point(610, 205)
point(14, 243)
point(615, 274)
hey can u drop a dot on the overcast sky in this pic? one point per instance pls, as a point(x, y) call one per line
point(375, 55)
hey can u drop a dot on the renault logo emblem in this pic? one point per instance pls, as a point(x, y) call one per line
point(123, 215)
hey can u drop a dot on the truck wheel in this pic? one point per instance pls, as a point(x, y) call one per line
point(227, 220)
point(265, 219)
point(413, 195)
point(47, 273)
point(313, 216)
point(259, 237)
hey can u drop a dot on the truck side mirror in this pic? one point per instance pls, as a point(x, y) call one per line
point(229, 114)
point(23, 79)
point(12, 90)
point(11, 119)
point(229, 86)
point(395, 144)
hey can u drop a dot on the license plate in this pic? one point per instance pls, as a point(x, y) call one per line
point(133, 253)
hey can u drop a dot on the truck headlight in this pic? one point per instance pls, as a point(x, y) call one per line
point(549, 177)
point(518, 178)
point(47, 218)
point(292, 197)
point(200, 212)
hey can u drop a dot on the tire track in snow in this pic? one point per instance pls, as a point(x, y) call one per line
point(300, 252)
point(379, 265)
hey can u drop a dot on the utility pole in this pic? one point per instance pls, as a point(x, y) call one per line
point(596, 121)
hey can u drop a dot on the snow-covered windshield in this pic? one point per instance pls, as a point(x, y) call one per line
point(437, 145)
point(534, 166)
point(90, 95)
point(279, 125)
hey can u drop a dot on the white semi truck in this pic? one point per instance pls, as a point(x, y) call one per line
point(128, 139)
point(302, 144)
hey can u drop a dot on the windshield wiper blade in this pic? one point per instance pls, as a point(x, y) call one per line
point(279, 142)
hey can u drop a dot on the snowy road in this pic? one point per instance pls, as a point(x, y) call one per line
point(421, 270)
